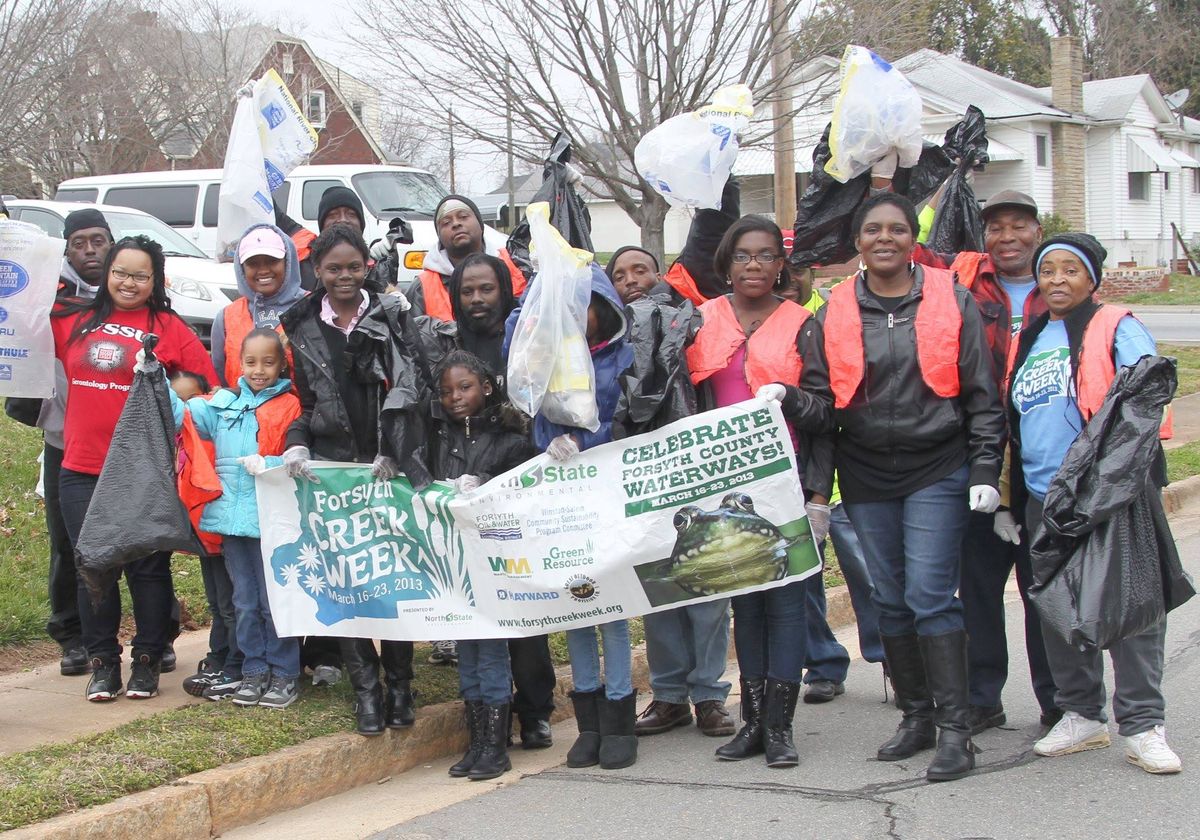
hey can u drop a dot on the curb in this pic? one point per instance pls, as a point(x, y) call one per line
point(1180, 494)
point(211, 802)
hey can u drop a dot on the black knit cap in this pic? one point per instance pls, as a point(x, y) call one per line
point(78, 220)
point(336, 197)
point(1086, 244)
point(612, 261)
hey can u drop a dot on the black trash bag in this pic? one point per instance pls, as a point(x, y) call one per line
point(957, 225)
point(822, 227)
point(135, 510)
point(1105, 565)
point(568, 214)
point(657, 388)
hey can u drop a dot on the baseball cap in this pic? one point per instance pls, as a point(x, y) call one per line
point(1009, 200)
point(262, 241)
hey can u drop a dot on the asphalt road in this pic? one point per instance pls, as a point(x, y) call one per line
point(677, 789)
point(1171, 324)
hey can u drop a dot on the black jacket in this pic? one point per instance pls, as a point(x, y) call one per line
point(896, 436)
point(484, 446)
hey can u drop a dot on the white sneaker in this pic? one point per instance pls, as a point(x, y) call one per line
point(1149, 751)
point(1074, 733)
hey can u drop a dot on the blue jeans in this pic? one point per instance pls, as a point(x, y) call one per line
point(686, 649)
point(223, 651)
point(913, 546)
point(618, 659)
point(483, 671)
point(769, 632)
point(262, 648)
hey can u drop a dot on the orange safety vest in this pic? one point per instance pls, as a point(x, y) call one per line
point(771, 354)
point(967, 265)
point(303, 240)
point(938, 324)
point(680, 279)
point(1097, 368)
point(437, 296)
point(238, 325)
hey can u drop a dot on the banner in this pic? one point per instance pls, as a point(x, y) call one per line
point(704, 508)
point(29, 265)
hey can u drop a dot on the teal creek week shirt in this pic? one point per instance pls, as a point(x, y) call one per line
point(1044, 397)
point(1018, 290)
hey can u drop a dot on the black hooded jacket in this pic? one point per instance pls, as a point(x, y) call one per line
point(484, 446)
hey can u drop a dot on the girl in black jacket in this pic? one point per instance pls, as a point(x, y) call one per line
point(476, 436)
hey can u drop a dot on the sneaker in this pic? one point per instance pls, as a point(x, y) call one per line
point(143, 677)
point(251, 689)
point(1074, 733)
point(281, 693)
point(167, 663)
point(1149, 751)
point(823, 691)
point(226, 685)
point(444, 653)
point(326, 675)
point(74, 661)
point(105, 683)
point(205, 676)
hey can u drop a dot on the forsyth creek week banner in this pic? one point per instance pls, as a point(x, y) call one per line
point(703, 508)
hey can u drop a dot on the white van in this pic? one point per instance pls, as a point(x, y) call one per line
point(186, 199)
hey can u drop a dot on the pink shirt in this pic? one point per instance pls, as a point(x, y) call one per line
point(729, 386)
point(330, 317)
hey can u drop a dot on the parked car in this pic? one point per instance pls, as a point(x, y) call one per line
point(187, 200)
point(198, 286)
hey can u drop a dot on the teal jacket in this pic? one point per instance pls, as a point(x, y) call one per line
point(228, 419)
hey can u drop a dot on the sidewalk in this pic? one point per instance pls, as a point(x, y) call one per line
point(1187, 421)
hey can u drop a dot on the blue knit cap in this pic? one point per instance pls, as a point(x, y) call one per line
point(1083, 245)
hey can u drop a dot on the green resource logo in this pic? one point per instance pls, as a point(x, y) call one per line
point(513, 567)
point(569, 558)
point(552, 474)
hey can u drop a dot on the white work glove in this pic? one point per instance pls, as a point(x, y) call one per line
point(562, 448)
point(774, 392)
point(886, 166)
point(984, 498)
point(466, 483)
point(384, 468)
point(139, 362)
point(253, 464)
point(1006, 528)
point(380, 249)
point(296, 462)
point(818, 520)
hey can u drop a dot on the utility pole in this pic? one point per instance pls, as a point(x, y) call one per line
point(512, 190)
point(781, 109)
point(453, 188)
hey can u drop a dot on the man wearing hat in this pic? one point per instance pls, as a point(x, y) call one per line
point(459, 227)
point(338, 205)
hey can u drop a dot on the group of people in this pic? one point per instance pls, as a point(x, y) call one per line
point(909, 390)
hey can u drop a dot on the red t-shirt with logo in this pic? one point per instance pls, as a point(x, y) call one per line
point(99, 366)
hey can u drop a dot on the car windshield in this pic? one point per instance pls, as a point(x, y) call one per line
point(132, 224)
point(399, 193)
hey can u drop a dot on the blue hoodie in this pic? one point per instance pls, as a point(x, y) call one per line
point(609, 362)
point(265, 311)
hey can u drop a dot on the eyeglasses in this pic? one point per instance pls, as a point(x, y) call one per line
point(122, 274)
point(761, 259)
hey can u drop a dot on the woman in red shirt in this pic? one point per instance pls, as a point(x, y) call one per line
point(97, 342)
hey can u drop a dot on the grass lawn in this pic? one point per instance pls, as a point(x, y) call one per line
point(1183, 461)
point(1187, 357)
point(1184, 289)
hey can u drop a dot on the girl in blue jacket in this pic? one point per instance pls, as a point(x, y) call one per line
point(247, 425)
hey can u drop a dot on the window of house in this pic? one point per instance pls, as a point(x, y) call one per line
point(356, 107)
point(1166, 182)
point(1042, 146)
point(1139, 186)
point(314, 109)
point(289, 66)
point(1196, 180)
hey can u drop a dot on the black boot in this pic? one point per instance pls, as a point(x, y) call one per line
point(618, 743)
point(473, 712)
point(493, 757)
point(906, 667)
point(535, 734)
point(777, 730)
point(397, 667)
point(749, 740)
point(585, 752)
point(946, 670)
point(362, 665)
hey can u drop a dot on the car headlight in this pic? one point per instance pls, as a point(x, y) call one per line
point(414, 260)
point(189, 288)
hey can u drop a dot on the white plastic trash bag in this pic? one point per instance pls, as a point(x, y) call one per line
point(549, 366)
point(688, 158)
point(268, 139)
point(29, 267)
point(877, 111)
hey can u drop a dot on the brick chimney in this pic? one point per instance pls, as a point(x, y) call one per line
point(1068, 142)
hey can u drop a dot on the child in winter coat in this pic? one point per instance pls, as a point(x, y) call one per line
point(474, 437)
point(247, 425)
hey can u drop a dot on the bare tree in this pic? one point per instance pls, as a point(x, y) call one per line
point(414, 143)
point(606, 73)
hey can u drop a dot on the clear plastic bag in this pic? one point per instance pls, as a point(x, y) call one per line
point(688, 158)
point(29, 265)
point(268, 139)
point(549, 364)
point(877, 111)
